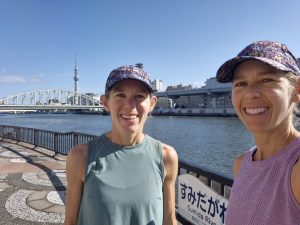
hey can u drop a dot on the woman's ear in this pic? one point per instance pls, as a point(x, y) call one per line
point(153, 102)
point(298, 86)
point(103, 100)
point(296, 94)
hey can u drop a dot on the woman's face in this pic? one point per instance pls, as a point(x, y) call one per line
point(262, 96)
point(129, 103)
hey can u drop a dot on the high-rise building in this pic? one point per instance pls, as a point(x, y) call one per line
point(157, 85)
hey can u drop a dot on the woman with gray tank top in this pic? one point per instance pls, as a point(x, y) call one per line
point(265, 93)
point(123, 177)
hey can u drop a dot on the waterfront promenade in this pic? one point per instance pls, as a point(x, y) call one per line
point(32, 184)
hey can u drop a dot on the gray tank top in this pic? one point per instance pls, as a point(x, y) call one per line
point(123, 185)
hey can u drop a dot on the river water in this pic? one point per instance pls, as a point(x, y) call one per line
point(211, 142)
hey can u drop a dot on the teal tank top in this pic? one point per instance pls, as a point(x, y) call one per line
point(123, 184)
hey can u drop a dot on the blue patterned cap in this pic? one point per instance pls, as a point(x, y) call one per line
point(128, 72)
point(273, 53)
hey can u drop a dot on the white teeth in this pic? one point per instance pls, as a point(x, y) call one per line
point(255, 111)
point(129, 117)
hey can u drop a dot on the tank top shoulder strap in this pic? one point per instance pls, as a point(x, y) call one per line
point(156, 152)
point(94, 147)
point(248, 155)
point(294, 153)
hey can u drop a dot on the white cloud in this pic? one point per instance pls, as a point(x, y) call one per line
point(9, 79)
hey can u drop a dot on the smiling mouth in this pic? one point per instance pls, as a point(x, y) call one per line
point(255, 111)
point(129, 117)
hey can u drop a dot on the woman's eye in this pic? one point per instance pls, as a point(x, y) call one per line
point(120, 95)
point(267, 80)
point(240, 84)
point(140, 96)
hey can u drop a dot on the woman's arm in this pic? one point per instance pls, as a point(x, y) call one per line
point(295, 180)
point(170, 159)
point(76, 161)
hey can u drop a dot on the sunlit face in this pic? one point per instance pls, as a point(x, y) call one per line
point(262, 97)
point(129, 103)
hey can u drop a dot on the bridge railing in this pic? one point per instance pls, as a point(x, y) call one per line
point(63, 142)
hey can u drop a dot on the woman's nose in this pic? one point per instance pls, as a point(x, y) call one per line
point(130, 102)
point(252, 92)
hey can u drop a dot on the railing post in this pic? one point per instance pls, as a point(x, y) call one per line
point(75, 139)
point(2, 131)
point(34, 137)
point(18, 133)
point(55, 142)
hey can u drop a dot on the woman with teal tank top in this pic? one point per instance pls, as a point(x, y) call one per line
point(123, 177)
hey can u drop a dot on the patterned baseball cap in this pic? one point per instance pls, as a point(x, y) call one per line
point(273, 53)
point(128, 72)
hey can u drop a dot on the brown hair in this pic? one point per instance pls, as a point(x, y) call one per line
point(293, 80)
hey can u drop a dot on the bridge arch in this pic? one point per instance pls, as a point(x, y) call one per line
point(51, 97)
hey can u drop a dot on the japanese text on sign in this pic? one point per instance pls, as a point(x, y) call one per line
point(198, 203)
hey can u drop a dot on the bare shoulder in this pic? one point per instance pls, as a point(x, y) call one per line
point(237, 164)
point(75, 168)
point(76, 159)
point(78, 153)
point(169, 154)
point(170, 159)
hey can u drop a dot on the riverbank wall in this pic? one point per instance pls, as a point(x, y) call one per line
point(218, 112)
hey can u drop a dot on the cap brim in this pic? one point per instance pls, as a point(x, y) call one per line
point(225, 72)
point(149, 87)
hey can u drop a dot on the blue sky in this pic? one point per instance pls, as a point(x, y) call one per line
point(178, 41)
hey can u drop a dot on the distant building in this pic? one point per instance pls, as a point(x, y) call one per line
point(164, 103)
point(213, 83)
point(139, 65)
point(212, 95)
point(179, 87)
point(157, 85)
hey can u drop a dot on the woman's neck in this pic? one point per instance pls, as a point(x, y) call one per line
point(126, 140)
point(271, 143)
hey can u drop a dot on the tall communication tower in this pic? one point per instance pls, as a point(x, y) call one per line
point(76, 78)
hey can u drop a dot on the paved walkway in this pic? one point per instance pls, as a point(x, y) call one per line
point(32, 184)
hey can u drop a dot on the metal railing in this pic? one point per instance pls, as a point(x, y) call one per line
point(63, 142)
point(55, 141)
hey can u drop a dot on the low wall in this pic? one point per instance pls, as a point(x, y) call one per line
point(222, 112)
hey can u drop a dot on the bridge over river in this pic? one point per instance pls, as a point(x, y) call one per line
point(50, 100)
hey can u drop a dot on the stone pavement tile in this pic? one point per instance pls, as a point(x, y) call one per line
point(7, 140)
point(3, 186)
point(31, 201)
point(44, 151)
point(27, 145)
point(7, 166)
point(14, 203)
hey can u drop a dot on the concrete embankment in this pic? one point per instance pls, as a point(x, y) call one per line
point(218, 112)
